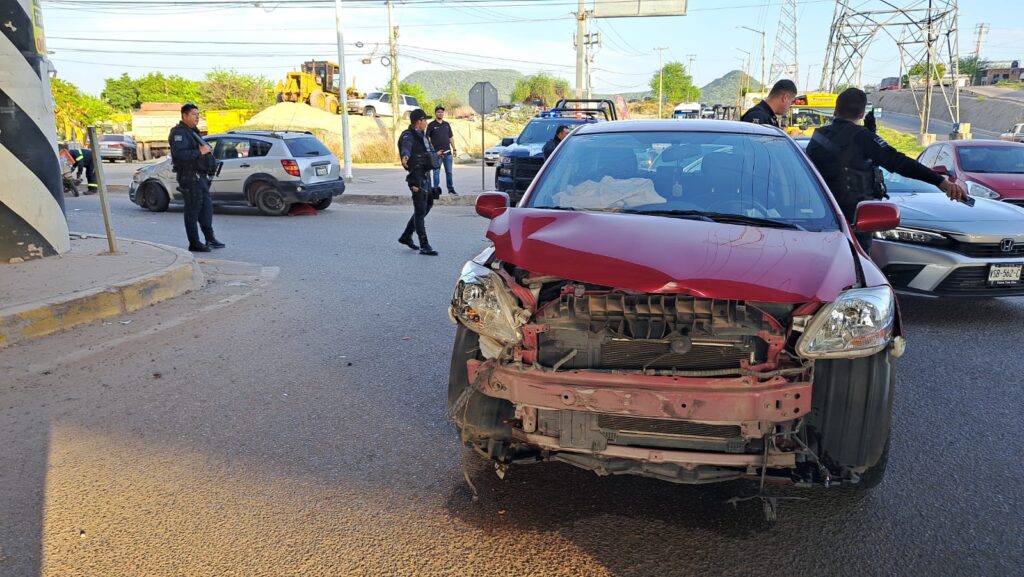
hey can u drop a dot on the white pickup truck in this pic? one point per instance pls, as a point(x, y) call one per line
point(1015, 134)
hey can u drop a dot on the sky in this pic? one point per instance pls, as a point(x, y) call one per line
point(91, 40)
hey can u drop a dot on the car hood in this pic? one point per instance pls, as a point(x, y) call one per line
point(1004, 184)
point(934, 211)
point(667, 255)
point(523, 150)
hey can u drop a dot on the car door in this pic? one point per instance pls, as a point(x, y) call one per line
point(233, 153)
point(944, 157)
point(385, 105)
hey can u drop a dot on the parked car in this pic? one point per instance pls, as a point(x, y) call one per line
point(524, 155)
point(1014, 134)
point(492, 154)
point(379, 104)
point(949, 249)
point(115, 147)
point(266, 169)
point(989, 168)
point(708, 320)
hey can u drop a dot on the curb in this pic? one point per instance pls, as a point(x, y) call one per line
point(44, 318)
point(396, 200)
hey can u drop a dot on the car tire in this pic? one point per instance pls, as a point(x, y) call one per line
point(269, 201)
point(369, 111)
point(872, 477)
point(318, 100)
point(851, 414)
point(323, 203)
point(482, 421)
point(154, 197)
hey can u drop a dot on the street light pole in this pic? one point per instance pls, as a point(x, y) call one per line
point(661, 77)
point(761, 32)
point(396, 98)
point(581, 20)
point(343, 92)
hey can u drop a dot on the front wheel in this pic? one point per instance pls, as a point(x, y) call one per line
point(155, 198)
point(369, 111)
point(269, 200)
point(323, 203)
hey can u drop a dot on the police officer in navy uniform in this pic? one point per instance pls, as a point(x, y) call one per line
point(420, 159)
point(848, 155)
point(84, 161)
point(560, 133)
point(776, 104)
point(194, 165)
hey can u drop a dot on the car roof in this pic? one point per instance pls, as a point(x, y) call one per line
point(969, 143)
point(724, 126)
point(280, 134)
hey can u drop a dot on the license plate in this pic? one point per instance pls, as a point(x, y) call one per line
point(322, 170)
point(1003, 274)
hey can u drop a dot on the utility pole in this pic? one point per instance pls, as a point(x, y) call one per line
point(581, 30)
point(930, 51)
point(343, 92)
point(661, 77)
point(761, 32)
point(689, 64)
point(981, 30)
point(592, 39)
point(396, 102)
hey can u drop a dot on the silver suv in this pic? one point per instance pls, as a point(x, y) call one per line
point(266, 169)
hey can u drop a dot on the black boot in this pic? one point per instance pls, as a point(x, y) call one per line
point(408, 242)
point(426, 249)
point(212, 242)
point(198, 248)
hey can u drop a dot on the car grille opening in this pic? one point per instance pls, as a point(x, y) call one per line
point(658, 355)
point(973, 280)
point(901, 275)
point(988, 250)
point(626, 424)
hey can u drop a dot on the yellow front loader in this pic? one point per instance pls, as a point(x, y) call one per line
point(316, 84)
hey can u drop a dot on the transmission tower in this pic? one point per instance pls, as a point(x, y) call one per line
point(785, 59)
point(925, 33)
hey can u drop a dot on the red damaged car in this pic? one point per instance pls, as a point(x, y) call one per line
point(680, 300)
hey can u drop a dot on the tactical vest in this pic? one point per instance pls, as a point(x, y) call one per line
point(849, 174)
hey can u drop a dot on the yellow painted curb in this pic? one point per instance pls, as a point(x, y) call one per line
point(40, 319)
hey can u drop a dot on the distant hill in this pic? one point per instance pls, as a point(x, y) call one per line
point(726, 90)
point(627, 95)
point(438, 83)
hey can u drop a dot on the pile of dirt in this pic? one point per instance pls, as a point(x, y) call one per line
point(364, 129)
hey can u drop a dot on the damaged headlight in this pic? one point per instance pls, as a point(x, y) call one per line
point(858, 324)
point(483, 303)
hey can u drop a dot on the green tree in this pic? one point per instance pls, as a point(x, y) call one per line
point(155, 87)
point(920, 70)
point(121, 93)
point(230, 90)
point(972, 67)
point(542, 88)
point(677, 85)
point(75, 110)
point(414, 90)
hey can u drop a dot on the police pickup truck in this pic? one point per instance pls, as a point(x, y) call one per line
point(523, 156)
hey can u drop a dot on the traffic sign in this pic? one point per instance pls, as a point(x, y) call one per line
point(483, 97)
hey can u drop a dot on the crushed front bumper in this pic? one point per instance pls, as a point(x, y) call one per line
point(721, 400)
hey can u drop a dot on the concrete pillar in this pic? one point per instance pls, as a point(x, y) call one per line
point(32, 221)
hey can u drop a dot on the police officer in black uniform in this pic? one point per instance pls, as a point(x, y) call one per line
point(84, 161)
point(560, 133)
point(194, 165)
point(848, 156)
point(776, 104)
point(420, 159)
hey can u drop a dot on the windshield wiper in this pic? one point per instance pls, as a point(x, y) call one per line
point(752, 220)
point(553, 207)
point(687, 214)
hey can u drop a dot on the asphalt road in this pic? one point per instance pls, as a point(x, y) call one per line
point(295, 426)
point(911, 124)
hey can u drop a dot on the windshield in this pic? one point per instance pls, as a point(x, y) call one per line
point(113, 138)
point(993, 159)
point(540, 131)
point(743, 175)
point(374, 96)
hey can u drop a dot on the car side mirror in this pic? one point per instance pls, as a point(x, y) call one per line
point(508, 141)
point(941, 169)
point(876, 216)
point(491, 204)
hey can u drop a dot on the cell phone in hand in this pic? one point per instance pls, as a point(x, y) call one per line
point(968, 200)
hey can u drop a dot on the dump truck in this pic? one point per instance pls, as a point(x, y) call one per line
point(152, 123)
